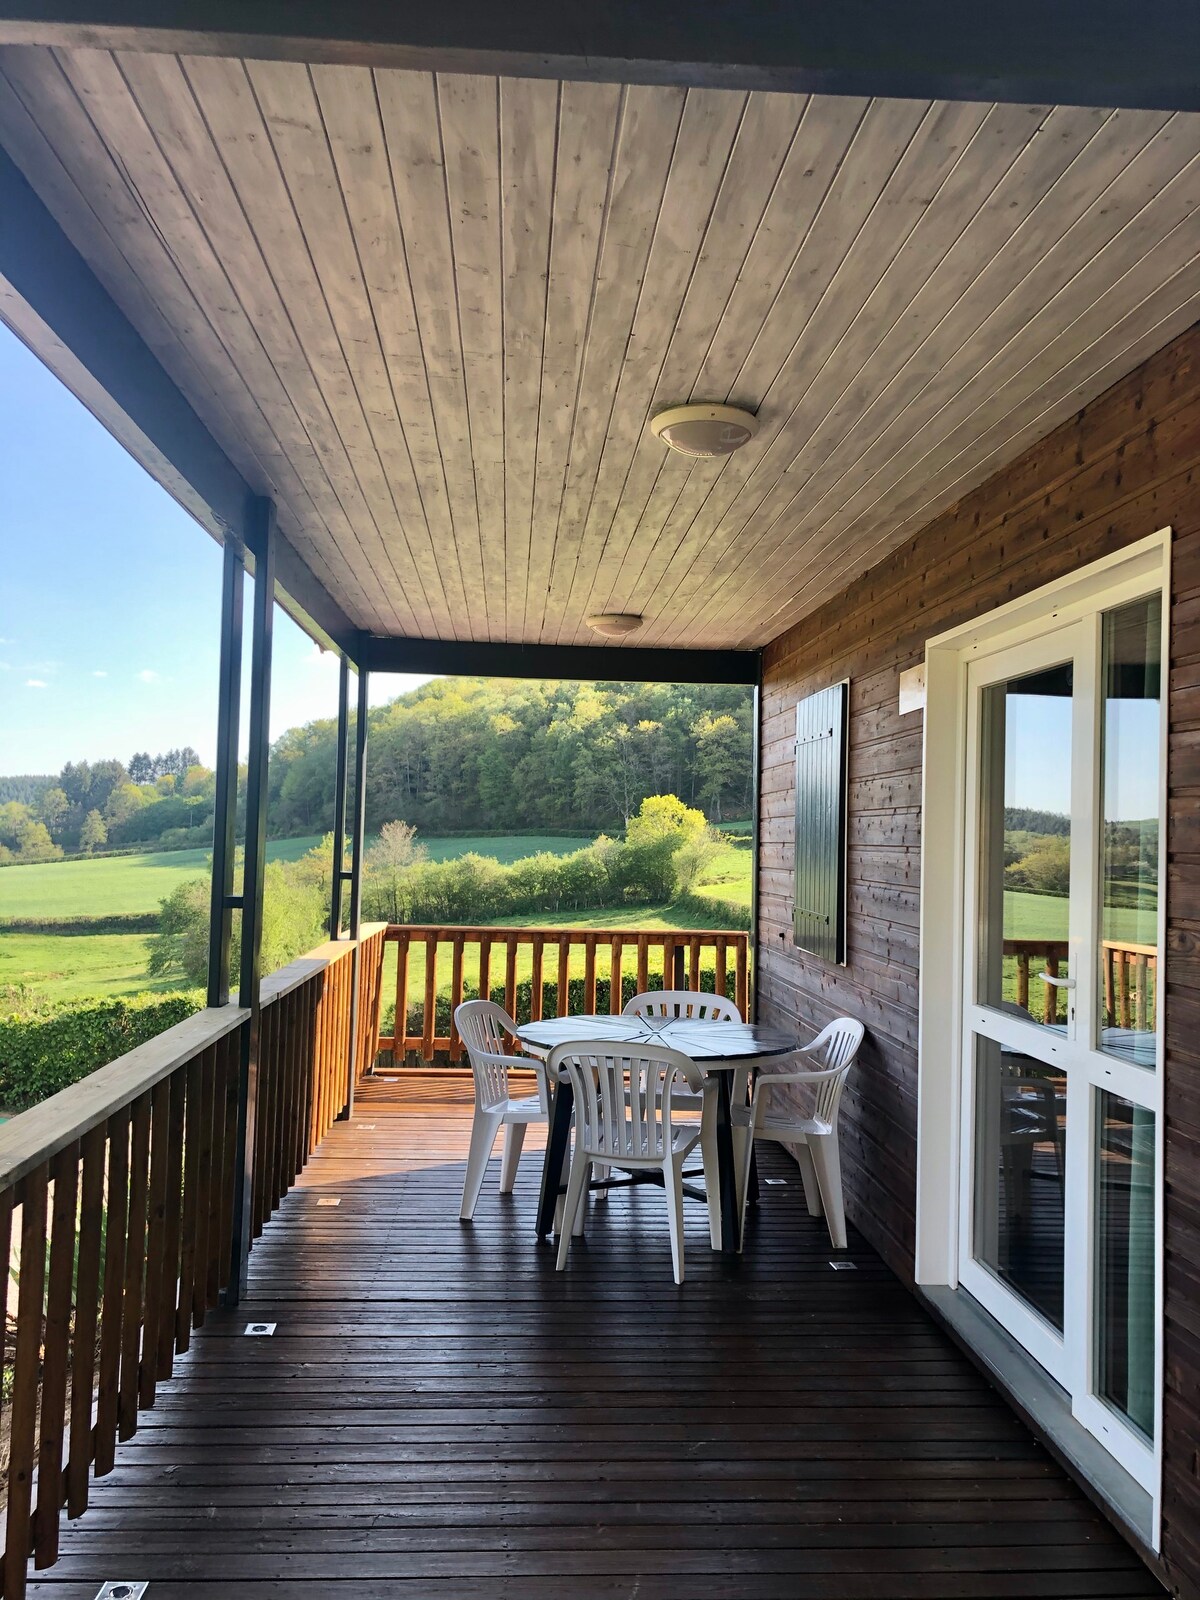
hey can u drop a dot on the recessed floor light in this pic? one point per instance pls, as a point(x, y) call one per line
point(259, 1330)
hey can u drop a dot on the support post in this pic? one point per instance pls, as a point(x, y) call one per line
point(755, 839)
point(339, 801)
point(223, 902)
point(358, 827)
point(263, 521)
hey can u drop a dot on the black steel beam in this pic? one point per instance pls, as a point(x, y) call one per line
point(54, 303)
point(339, 801)
point(253, 871)
point(229, 698)
point(586, 662)
point(1083, 52)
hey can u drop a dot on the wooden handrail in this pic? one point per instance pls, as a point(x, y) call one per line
point(120, 1192)
point(1126, 1005)
point(551, 951)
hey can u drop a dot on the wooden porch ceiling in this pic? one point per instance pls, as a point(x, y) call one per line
point(431, 314)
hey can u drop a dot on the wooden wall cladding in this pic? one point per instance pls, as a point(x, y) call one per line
point(1126, 465)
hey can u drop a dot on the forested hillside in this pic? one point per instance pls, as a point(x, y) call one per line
point(469, 754)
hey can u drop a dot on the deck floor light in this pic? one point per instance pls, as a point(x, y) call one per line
point(116, 1589)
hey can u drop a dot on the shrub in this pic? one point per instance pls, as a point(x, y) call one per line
point(45, 1047)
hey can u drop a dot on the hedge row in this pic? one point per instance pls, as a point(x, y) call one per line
point(41, 1054)
point(118, 922)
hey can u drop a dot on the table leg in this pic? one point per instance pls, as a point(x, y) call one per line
point(556, 1150)
point(726, 1169)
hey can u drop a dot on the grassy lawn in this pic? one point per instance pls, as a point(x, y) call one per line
point(506, 850)
point(68, 967)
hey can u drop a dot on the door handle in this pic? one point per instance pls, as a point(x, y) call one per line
point(1059, 983)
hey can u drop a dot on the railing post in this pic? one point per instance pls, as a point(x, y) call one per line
point(262, 520)
point(358, 828)
point(339, 801)
point(755, 841)
point(223, 902)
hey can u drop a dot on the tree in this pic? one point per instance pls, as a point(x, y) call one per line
point(15, 816)
point(141, 767)
point(94, 833)
point(124, 802)
point(35, 844)
point(389, 860)
point(720, 758)
point(55, 808)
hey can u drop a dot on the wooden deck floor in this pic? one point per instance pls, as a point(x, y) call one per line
point(440, 1415)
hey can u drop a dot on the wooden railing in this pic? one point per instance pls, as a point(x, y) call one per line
point(1130, 979)
point(119, 1194)
point(564, 969)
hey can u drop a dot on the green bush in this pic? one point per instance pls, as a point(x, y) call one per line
point(43, 1048)
point(117, 922)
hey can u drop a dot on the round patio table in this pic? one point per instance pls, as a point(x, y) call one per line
point(721, 1048)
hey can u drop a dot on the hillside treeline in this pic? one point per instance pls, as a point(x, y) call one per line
point(475, 754)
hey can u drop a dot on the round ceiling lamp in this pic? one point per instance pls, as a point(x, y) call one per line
point(704, 430)
point(614, 624)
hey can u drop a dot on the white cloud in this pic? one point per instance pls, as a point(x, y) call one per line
point(147, 675)
point(99, 672)
point(35, 683)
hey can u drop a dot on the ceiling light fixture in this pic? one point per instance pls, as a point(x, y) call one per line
point(614, 624)
point(704, 430)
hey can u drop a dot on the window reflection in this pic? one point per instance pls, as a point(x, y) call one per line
point(1025, 841)
point(1125, 1259)
point(1128, 957)
point(1020, 1133)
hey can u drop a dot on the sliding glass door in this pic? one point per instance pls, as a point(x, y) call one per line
point(1060, 1048)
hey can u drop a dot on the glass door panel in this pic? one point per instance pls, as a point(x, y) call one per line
point(1127, 988)
point(1025, 748)
point(1019, 1209)
point(1125, 1259)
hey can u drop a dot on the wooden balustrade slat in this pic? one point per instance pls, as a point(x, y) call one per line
point(55, 1354)
point(719, 967)
point(155, 1228)
point(563, 981)
point(26, 1364)
point(1142, 1015)
point(537, 978)
point(741, 979)
point(204, 1200)
point(225, 1119)
point(616, 952)
point(430, 1020)
point(191, 1183)
point(589, 973)
point(456, 996)
point(172, 1227)
point(643, 963)
point(510, 975)
point(87, 1308)
point(1123, 989)
point(485, 969)
point(112, 1304)
point(135, 1267)
point(694, 964)
point(400, 1025)
point(6, 1221)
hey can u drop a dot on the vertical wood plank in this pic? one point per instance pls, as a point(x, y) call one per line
point(192, 1140)
point(135, 1268)
point(112, 1304)
point(589, 974)
point(485, 967)
point(643, 963)
point(429, 1020)
point(562, 1005)
point(55, 1354)
point(537, 978)
point(694, 963)
point(510, 975)
point(400, 1025)
point(742, 994)
point(30, 1296)
point(169, 1296)
point(87, 1308)
point(456, 995)
point(6, 1221)
point(160, 1102)
point(720, 966)
point(615, 986)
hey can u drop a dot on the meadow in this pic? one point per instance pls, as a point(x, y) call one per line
point(110, 964)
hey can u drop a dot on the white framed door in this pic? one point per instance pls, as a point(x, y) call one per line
point(1059, 1188)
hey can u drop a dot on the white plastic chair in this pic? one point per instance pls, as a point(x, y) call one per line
point(689, 1004)
point(815, 1136)
point(623, 1119)
point(483, 1026)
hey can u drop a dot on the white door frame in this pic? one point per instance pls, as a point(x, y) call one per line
point(1138, 569)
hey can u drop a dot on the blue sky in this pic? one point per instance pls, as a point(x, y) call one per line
point(110, 597)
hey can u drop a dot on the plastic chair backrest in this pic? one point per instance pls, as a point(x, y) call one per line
point(835, 1049)
point(694, 1004)
point(623, 1101)
point(484, 1028)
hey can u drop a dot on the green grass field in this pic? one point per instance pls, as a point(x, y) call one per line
point(68, 967)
